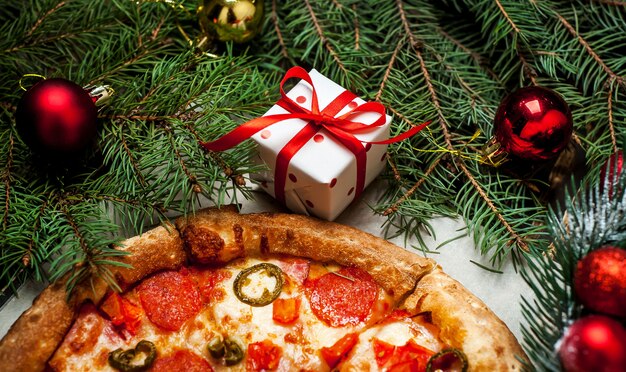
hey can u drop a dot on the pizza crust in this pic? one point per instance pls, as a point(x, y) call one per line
point(39, 330)
point(466, 323)
point(221, 235)
point(158, 249)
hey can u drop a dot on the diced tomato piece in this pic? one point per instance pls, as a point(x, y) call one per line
point(409, 357)
point(382, 351)
point(410, 366)
point(286, 310)
point(398, 314)
point(394, 316)
point(208, 280)
point(334, 354)
point(112, 306)
point(132, 315)
point(123, 313)
point(263, 356)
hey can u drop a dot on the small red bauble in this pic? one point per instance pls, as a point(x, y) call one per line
point(600, 281)
point(533, 123)
point(594, 343)
point(613, 165)
point(56, 118)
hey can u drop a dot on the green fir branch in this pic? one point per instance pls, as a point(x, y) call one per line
point(590, 219)
point(449, 61)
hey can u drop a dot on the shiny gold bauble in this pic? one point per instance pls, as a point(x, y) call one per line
point(231, 20)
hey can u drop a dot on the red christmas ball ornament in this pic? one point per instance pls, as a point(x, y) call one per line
point(594, 343)
point(612, 167)
point(600, 281)
point(56, 118)
point(533, 123)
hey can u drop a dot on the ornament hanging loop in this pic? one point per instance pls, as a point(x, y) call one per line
point(29, 75)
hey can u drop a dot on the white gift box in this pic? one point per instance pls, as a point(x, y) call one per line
point(321, 177)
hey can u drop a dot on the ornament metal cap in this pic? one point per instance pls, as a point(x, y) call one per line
point(238, 21)
point(493, 154)
point(99, 94)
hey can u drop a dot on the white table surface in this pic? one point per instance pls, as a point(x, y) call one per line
point(502, 292)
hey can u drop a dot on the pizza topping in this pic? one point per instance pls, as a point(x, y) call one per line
point(286, 310)
point(138, 359)
point(343, 297)
point(123, 313)
point(259, 285)
point(409, 357)
point(207, 281)
point(394, 316)
point(334, 354)
point(263, 356)
point(233, 354)
point(182, 361)
point(84, 334)
point(296, 269)
point(216, 348)
point(227, 350)
point(448, 360)
point(169, 299)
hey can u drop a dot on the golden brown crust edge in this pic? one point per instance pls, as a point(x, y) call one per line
point(38, 331)
point(225, 234)
point(34, 337)
point(158, 249)
point(466, 323)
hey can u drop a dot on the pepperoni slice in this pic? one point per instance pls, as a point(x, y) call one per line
point(169, 299)
point(343, 298)
point(181, 361)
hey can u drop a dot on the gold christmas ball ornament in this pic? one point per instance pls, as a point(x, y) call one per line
point(231, 20)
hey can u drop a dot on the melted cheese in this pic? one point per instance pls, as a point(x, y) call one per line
point(397, 333)
point(300, 342)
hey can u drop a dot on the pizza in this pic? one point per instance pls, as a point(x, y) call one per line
point(221, 290)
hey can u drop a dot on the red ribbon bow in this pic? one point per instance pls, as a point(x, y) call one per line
point(342, 129)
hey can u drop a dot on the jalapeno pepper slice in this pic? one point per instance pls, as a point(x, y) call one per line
point(216, 348)
point(266, 297)
point(227, 350)
point(234, 354)
point(123, 359)
point(446, 360)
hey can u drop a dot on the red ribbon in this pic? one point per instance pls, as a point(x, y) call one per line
point(342, 129)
